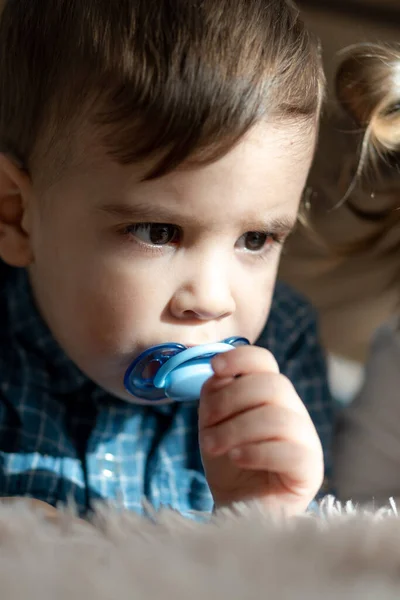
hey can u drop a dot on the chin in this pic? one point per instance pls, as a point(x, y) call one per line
point(121, 394)
point(139, 401)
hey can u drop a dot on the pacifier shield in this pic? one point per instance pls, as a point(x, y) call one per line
point(174, 371)
point(139, 378)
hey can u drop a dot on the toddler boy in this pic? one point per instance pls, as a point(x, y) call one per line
point(153, 159)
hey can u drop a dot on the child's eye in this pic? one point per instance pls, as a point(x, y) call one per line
point(254, 241)
point(156, 234)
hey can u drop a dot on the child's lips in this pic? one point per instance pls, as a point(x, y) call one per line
point(192, 343)
point(187, 345)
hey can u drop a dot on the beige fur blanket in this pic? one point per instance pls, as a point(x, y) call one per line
point(240, 555)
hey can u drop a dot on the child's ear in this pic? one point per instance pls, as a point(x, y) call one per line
point(15, 186)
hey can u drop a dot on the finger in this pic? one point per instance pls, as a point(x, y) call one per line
point(300, 467)
point(246, 393)
point(244, 360)
point(267, 422)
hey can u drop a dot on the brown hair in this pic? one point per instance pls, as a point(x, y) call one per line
point(169, 79)
point(368, 88)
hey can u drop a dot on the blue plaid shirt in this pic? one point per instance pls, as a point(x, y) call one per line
point(63, 438)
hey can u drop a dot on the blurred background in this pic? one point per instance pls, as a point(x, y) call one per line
point(357, 295)
point(340, 23)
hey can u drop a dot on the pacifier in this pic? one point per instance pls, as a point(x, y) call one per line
point(174, 371)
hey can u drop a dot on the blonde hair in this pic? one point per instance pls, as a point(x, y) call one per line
point(368, 88)
point(345, 254)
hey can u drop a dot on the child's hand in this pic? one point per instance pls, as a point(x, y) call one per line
point(256, 437)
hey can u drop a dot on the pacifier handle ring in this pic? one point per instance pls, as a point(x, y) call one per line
point(185, 356)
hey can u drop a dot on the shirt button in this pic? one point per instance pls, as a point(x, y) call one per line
point(109, 466)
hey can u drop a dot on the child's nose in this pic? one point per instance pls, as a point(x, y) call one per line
point(207, 298)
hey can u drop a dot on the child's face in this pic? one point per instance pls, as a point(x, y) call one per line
point(121, 265)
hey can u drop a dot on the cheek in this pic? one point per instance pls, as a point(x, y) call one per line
point(115, 305)
point(96, 301)
point(257, 317)
point(254, 302)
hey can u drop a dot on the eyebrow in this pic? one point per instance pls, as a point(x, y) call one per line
point(146, 213)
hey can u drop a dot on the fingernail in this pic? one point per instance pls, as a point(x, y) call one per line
point(209, 444)
point(236, 454)
point(219, 362)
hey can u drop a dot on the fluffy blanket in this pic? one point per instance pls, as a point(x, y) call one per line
point(239, 555)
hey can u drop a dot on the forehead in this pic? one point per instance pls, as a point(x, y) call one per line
point(267, 168)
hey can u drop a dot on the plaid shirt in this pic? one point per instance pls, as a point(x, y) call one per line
point(63, 438)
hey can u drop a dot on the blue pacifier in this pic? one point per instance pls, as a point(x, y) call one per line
point(174, 371)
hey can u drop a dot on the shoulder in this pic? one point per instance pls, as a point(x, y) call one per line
point(387, 339)
point(287, 301)
point(384, 355)
point(291, 326)
point(291, 334)
point(382, 373)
